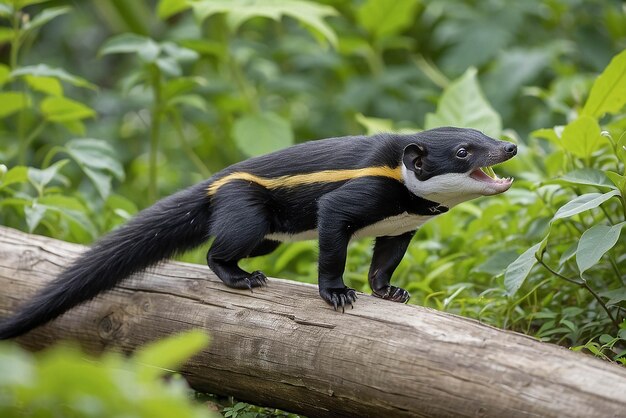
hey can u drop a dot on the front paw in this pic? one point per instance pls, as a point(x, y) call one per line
point(393, 293)
point(339, 297)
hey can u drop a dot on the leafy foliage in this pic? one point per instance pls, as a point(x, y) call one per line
point(167, 97)
point(63, 381)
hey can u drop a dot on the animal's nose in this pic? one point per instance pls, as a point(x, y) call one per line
point(510, 148)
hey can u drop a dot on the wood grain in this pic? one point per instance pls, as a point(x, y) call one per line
point(284, 347)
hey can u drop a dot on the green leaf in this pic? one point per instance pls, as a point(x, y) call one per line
point(46, 16)
point(95, 157)
point(618, 180)
point(34, 214)
point(96, 154)
point(594, 243)
point(169, 66)
point(62, 109)
point(42, 70)
point(615, 296)
point(47, 85)
point(13, 101)
point(71, 209)
point(588, 176)
point(191, 100)
point(5, 74)
point(6, 34)
point(384, 17)
point(41, 178)
point(168, 8)
point(129, 43)
point(238, 11)
point(518, 270)
point(463, 105)
point(374, 125)
point(15, 175)
point(169, 353)
point(100, 180)
point(6, 10)
point(20, 4)
point(582, 137)
point(179, 53)
point(583, 203)
point(258, 134)
point(548, 134)
point(608, 94)
point(497, 263)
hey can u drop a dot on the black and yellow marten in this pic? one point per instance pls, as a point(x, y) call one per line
point(336, 189)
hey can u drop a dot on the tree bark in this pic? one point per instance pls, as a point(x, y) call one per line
point(282, 346)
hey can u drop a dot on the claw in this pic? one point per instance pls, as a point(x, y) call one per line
point(335, 301)
point(342, 299)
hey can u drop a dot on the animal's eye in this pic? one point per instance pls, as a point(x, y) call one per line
point(461, 153)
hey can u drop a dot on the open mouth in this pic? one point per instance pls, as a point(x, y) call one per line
point(487, 175)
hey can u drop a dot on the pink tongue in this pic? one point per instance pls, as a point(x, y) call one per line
point(480, 175)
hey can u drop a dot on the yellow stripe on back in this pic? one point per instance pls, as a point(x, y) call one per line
point(325, 176)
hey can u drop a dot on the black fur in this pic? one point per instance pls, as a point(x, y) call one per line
point(241, 214)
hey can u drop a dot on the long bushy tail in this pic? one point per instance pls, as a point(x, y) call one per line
point(177, 223)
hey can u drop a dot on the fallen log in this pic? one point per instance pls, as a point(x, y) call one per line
point(284, 347)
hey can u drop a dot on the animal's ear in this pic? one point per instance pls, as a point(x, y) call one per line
point(412, 158)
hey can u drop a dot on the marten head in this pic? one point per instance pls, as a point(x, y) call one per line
point(445, 165)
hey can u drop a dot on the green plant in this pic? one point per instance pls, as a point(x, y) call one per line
point(581, 245)
point(63, 381)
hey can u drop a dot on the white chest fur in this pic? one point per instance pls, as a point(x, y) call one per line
point(392, 226)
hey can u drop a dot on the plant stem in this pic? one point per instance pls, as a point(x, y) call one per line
point(155, 132)
point(15, 41)
point(582, 283)
point(206, 173)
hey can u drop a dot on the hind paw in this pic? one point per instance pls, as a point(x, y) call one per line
point(393, 293)
point(255, 279)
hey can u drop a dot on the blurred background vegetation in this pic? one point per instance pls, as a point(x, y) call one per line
point(107, 105)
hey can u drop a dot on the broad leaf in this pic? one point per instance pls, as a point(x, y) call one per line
point(518, 270)
point(384, 17)
point(548, 134)
point(96, 154)
point(20, 4)
point(34, 214)
point(374, 126)
point(129, 43)
point(594, 243)
point(497, 263)
point(41, 178)
point(5, 74)
point(582, 136)
point(608, 94)
point(170, 353)
point(100, 180)
point(62, 109)
point(583, 203)
point(71, 209)
point(47, 85)
point(262, 133)
point(238, 11)
point(15, 175)
point(46, 16)
point(463, 105)
point(618, 180)
point(13, 101)
point(42, 70)
point(588, 176)
point(168, 8)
